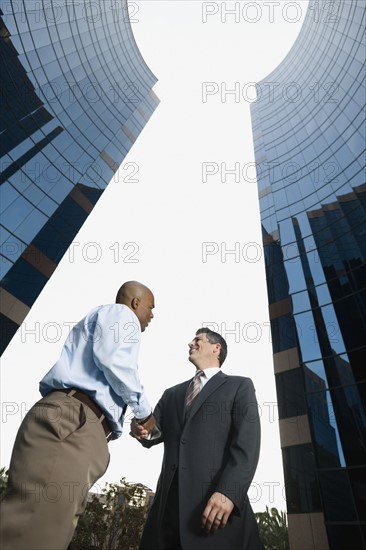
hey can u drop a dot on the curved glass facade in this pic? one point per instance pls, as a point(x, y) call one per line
point(309, 135)
point(76, 94)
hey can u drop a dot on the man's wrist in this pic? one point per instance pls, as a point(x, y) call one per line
point(143, 421)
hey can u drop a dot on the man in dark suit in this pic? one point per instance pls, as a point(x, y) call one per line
point(211, 433)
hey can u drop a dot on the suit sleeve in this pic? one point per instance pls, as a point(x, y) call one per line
point(240, 467)
point(159, 417)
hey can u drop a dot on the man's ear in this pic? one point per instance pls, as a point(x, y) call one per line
point(217, 348)
point(135, 303)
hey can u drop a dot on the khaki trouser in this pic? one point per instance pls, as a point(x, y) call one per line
point(59, 452)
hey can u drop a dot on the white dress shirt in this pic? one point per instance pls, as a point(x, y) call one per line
point(100, 358)
point(208, 374)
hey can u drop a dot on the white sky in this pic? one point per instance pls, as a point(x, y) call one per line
point(162, 220)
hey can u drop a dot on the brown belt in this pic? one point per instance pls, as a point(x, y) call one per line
point(84, 398)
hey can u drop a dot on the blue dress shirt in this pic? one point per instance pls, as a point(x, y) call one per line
point(100, 358)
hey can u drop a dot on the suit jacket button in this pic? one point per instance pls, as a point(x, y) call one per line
point(183, 441)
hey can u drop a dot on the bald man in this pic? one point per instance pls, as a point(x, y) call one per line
point(61, 447)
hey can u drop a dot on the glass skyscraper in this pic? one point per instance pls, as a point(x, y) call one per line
point(309, 135)
point(75, 95)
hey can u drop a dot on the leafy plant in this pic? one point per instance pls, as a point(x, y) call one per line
point(114, 519)
point(273, 531)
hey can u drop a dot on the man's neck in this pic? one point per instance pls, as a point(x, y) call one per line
point(208, 366)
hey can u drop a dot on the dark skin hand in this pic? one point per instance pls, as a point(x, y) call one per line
point(137, 431)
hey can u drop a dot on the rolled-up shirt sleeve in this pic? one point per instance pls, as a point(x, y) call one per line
point(116, 342)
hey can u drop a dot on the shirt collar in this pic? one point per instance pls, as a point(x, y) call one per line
point(211, 371)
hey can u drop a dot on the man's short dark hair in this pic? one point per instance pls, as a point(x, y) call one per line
point(215, 338)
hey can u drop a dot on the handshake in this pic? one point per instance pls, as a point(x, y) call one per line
point(141, 428)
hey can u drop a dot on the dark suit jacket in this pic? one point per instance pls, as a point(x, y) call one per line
point(215, 449)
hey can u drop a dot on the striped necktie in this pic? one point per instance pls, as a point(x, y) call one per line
point(193, 390)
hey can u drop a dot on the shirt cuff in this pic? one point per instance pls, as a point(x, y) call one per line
point(154, 434)
point(141, 409)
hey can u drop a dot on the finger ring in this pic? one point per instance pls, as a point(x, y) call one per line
point(219, 518)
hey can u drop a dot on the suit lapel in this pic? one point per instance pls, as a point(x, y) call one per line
point(180, 399)
point(210, 386)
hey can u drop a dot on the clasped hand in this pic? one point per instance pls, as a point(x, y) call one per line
point(142, 431)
